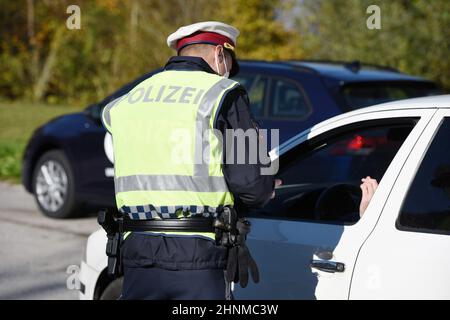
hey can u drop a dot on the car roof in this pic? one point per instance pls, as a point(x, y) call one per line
point(337, 70)
point(432, 102)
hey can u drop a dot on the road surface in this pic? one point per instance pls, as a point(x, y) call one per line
point(36, 251)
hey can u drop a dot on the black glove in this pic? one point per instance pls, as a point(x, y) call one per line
point(240, 259)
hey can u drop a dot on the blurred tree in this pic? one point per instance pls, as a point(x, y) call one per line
point(414, 35)
point(262, 35)
point(31, 36)
point(40, 59)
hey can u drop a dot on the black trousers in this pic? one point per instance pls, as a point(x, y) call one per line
point(152, 283)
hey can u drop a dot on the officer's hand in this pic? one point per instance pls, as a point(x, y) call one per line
point(368, 187)
point(278, 183)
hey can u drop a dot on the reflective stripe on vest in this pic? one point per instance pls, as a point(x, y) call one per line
point(166, 166)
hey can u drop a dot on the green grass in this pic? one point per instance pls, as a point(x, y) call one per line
point(18, 120)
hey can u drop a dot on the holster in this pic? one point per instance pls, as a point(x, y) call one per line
point(114, 230)
point(231, 232)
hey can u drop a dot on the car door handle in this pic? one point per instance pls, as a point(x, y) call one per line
point(327, 266)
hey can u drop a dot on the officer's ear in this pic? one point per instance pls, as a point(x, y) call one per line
point(220, 53)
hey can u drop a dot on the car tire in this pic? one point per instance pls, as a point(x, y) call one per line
point(113, 290)
point(54, 186)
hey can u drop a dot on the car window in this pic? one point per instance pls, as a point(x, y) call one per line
point(427, 204)
point(246, 80)
point(256, 87)
point(358, 95)
point(321, 182)
point(288, 100)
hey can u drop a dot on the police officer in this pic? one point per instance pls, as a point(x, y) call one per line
point(169, 185)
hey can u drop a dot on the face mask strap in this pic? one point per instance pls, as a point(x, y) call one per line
point(227, 73)
point(217, 65)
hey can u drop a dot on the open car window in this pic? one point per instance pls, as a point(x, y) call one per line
point(321, 177)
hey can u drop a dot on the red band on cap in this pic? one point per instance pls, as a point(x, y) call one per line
point(204, 37)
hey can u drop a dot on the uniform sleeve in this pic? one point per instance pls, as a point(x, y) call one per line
point(245, 181)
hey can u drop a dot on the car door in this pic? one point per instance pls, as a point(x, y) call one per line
point(296, 229)
point(406, 257)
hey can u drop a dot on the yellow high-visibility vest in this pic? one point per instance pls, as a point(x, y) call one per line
point(167, 159)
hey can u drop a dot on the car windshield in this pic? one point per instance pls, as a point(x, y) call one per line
point(359, 95)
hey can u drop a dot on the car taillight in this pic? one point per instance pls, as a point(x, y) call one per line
point(356, 143)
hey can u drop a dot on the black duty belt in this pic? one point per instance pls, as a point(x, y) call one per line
point(230, 231)
point(184, 224)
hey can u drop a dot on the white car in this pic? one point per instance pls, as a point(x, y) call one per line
point(309, 242)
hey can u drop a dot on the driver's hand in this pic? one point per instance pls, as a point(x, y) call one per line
point(278, 183)
point(368, 187)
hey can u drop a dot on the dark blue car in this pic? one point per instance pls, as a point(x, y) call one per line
point(68, 167)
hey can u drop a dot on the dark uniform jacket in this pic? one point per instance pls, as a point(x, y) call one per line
point(250, 189)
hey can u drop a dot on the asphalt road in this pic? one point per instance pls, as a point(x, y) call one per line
point(36, 251)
